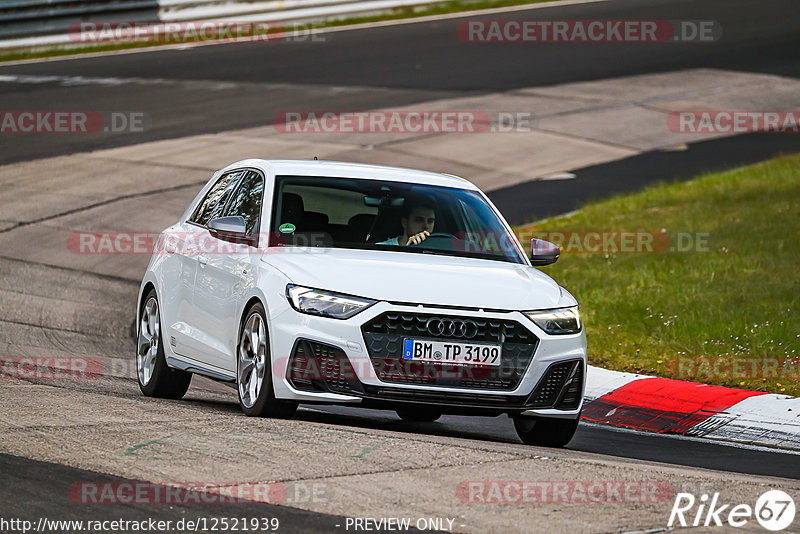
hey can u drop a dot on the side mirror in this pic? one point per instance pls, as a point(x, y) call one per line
point(543, 252)
point(228, 227)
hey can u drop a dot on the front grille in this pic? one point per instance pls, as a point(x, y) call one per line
point(384, 337)
point(315, 366)
point(553, 387)
point(416, 325)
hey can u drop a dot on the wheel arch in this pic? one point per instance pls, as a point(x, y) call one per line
point(251, 301)
point(146, 288)
point(254, 295)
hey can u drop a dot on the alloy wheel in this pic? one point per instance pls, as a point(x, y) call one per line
point(149, 339)
point(252, 360)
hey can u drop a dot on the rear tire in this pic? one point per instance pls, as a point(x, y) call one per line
point(418, 414)
point(254, 370)
point(545, 431)
point(155, 377)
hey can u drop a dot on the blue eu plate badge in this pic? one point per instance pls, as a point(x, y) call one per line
point(408, 349)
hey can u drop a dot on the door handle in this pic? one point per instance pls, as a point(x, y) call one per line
point(203, 260)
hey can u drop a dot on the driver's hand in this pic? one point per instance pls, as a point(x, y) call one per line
point(416, 239)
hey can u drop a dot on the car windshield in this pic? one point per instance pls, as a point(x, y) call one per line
point(385, 215)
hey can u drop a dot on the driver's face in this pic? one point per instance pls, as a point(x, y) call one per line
point(419, 220)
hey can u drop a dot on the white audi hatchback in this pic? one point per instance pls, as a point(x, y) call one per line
point(337, 283)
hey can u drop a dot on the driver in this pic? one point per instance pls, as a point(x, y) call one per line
point(417, 219)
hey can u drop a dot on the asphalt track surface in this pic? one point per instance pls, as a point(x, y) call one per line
point(594, 438)
point(538, 199)
point(383, 67)
point(32, 490)
point(400, 65)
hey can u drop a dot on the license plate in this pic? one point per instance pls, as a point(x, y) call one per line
point(451, 352)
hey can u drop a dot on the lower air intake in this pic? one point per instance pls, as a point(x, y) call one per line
point(315, 366)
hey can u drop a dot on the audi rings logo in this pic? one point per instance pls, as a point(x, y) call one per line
point(452, 328)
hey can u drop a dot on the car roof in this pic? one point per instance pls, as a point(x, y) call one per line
point(342, 169)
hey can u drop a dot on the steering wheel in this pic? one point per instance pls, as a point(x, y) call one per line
point(438, 240)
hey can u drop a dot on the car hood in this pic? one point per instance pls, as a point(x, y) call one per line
point(420, 278)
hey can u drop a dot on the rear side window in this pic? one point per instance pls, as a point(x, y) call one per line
point(213, 204)
point(246, 202)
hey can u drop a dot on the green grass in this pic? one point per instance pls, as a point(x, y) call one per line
point(439, 8)
point(674, 313)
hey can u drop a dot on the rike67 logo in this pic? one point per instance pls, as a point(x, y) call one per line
point(774, 510)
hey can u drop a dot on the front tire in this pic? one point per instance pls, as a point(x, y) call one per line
point(254, 370)
point(545, 432)
point(155, 377)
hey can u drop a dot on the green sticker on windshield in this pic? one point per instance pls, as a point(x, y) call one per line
point(286, 228)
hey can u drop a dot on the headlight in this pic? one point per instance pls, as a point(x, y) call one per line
point(325, 303)
point(558, 321)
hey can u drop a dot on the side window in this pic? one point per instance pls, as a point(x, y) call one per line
point(211, 207)
point(247, 200)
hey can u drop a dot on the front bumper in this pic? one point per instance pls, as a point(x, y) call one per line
point(358, 361)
